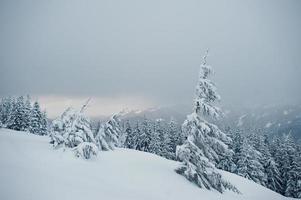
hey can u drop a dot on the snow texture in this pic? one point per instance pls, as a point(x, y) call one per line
point(32, 170)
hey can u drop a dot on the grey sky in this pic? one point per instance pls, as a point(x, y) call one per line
point(151, 49)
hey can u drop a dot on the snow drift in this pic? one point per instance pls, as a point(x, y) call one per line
point(31, 169)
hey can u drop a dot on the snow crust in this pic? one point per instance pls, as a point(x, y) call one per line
point(30, 169)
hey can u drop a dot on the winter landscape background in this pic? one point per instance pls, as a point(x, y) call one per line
point(150, 100)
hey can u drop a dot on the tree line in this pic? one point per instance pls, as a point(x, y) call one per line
point(19, 113)
point(272, 162)
point(154, 136)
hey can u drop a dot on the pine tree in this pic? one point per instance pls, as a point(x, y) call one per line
point(143, 142)
point(36, 119)
point(80, 131)
point(227, 162)
point(44, 124)
point(292, 168)
point(72, 128)
point(166, 145)
point(6, 112)
point(155, 142)
point(108, 135)
point(259, 142)
point(20, 115)
point(27, 113)
point(298, 171)
point(136, 136)
point(205, 143)
point(102, 138)
point(86, 150)
point(274, 181)
point(279, 155)
point(175, 136)
point(248, 164)
point(129, 142)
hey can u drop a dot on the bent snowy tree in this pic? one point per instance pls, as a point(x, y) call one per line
point(205, 143)
point(73, 130)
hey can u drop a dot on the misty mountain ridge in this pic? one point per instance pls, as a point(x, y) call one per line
point(272, 119)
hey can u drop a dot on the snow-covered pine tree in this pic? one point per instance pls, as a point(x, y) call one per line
point(108, 135)
point(129, 141)
point(86, 150)
point(123, 134)
point(36, 119)
point(226, 161)
point(175, 136)
point(136, 135)
point(248, 163)
point(81, 131)
point(279, 156)
point(166, 145)
point(260, 143)
point(298, 170)
point(293, 168)
point(155, 145)
point(205, 143)
point(101, 139)
point(72, 128)
point(273, 167)
point(6, 112)
point(20, 115)
point(274, 181)
point(44, 123)
point(61, 127)
point(27, 113)
point(144, 138)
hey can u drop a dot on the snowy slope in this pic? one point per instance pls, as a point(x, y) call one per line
point(31, 170)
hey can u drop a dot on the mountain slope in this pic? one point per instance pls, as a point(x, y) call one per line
point(31, 169)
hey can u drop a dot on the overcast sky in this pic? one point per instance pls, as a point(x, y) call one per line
point(140, 54)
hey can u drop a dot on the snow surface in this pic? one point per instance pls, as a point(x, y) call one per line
point(30, 169)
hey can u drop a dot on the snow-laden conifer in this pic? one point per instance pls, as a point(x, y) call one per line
point(6, 112)
point(108, 135)
point(72, 128)
point(205, 143)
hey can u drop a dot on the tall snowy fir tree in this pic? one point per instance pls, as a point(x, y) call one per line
point(205, 143)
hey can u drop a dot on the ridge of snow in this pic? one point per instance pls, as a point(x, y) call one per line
point(32, 170)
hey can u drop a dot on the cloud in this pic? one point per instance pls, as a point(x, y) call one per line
point(98, 106)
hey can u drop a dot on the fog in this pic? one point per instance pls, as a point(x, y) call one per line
point(150, 51)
